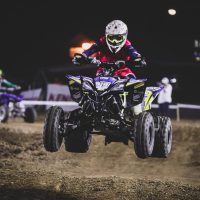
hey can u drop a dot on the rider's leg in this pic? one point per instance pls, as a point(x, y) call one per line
point(124, 73)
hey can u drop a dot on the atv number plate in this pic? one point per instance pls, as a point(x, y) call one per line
point(102, 85)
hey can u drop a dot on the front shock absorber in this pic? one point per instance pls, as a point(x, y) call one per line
point(117, 106)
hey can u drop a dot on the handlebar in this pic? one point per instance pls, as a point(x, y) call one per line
point(81, 59)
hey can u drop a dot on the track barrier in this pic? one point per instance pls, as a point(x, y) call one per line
point(69, 104)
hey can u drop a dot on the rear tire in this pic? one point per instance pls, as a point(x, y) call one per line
point(53, 129)
point(30, 115)
point(79, 139)
point(145, 135)
point(4, 113)
point(163, 138)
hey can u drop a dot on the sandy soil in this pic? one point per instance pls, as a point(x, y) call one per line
point(27, 171)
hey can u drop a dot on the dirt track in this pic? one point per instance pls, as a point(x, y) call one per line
point(27, 171)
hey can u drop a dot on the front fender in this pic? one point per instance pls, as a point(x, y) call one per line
point(150, 94)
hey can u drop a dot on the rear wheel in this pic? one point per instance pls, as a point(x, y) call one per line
point(79, 138)
point(78, 141)
point(145, 135)
point(53, 129)
point(4, 113)
point(163, 138)
point(30, 115)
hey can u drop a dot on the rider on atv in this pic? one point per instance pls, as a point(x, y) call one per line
point(5, 84)
point(115, 47)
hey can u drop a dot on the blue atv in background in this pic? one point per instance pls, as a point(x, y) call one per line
point(106, 104)
point(11, 106)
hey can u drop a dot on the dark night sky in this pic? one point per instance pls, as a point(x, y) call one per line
point(35, 35)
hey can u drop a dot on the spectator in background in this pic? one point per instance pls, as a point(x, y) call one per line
point(165, 97)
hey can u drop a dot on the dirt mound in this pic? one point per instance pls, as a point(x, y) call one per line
point(27, 171)
point(40, 185)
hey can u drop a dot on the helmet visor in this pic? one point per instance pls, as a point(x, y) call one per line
point(115, 40)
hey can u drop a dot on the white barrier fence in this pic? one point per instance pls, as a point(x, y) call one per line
point(66, 105)
point(50, 103)
point(70, 105)
point(178, 106)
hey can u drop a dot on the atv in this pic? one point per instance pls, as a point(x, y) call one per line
point(11, 106)
point(105, 108)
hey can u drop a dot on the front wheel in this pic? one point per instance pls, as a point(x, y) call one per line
point(4, 113)
point(145, 135)
point(163, 138)
point(53, 129)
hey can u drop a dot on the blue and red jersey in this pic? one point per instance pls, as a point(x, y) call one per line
point(127, 53)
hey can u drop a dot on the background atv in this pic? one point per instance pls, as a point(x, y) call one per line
point(106, 108)
point(11, 106)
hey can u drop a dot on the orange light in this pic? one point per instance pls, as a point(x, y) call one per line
point(86, 45)
point(74, 50)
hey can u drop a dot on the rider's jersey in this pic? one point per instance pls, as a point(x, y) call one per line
point(7, 84)
point(126, 53)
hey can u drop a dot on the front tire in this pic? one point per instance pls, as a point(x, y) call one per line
point(53, 129)
point(163, 138)
point(4, 113)
point(145, 135)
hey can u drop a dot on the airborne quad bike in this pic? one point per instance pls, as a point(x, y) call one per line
point(11, 106)
point(105, 108)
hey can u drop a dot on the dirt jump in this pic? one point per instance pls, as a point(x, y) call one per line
point(27, 171)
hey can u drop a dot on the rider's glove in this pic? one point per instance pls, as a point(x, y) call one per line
point(79, 59)
point(143, 63)
point(120, 63)
point(139, 62)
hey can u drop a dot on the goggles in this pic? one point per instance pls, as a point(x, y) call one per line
point(115, 39)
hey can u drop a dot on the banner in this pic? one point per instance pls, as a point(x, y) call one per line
point(31, 94)
point(58, 92)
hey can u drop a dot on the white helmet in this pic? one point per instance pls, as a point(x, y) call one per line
point(165, 80)
point(116, 35)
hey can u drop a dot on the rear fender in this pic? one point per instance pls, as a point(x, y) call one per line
point(135, 91)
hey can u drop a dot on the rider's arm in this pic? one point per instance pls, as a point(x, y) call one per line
point(87, 53)
point(6, 83)
point(136, 62)
point(135, 58)
point(93, 49)
point(133, 53)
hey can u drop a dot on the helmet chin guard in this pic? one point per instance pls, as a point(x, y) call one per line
point(115, 49)
point(116, 35)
